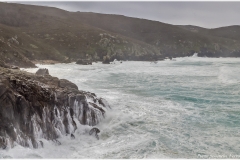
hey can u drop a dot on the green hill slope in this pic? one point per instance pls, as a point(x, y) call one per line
point(30, 33)
point(170, 39)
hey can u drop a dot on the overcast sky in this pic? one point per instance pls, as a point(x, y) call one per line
point(204, 14)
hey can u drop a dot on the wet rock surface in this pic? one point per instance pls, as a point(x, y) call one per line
point(65, 83)
point(96, 131)
point(34, 107)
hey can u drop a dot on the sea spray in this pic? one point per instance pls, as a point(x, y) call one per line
point(35, 107)
point(172, 109)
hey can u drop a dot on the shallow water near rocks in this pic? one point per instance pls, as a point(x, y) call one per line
point(185, 108)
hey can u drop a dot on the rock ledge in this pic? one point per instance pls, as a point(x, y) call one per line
point(34, 107)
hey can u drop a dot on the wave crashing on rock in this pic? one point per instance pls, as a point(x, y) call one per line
point(34, 107)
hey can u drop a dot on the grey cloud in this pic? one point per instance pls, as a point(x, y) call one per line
point(204, 14)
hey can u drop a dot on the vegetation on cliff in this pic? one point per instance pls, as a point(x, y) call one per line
point(29, 33)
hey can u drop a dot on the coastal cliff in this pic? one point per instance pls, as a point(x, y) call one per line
point(41, 106)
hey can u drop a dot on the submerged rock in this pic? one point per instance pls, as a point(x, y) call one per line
point(96, 131)
point(34, 107)
point(72, 136)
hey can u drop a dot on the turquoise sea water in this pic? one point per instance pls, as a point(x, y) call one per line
point(185, 108)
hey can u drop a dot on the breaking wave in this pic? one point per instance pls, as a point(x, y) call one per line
point(172, 109)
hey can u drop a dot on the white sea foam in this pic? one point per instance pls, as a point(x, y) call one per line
point(178, 109)
point(195, 55)
point(229, 75)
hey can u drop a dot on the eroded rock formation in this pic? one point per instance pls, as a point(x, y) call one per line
point(34, 107)
point(42, 72)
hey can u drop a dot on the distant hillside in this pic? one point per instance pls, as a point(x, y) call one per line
point(30, 32)
point(171, 40)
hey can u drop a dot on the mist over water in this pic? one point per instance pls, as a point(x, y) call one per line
point(172, 109)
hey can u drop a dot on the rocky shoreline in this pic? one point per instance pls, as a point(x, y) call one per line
point(41, 106)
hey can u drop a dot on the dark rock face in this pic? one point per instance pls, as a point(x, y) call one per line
point(96, 130)
point(84, 62)
point(65, 83)
point(42, 72)
point(72, 136)
point(34, 107)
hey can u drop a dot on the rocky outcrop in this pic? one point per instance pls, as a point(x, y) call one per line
point(34, 107)
point(84, 62)
point(42, 72)
point(67, 84)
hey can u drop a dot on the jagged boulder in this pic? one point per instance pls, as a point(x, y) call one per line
point(42, 72)
point(84, 62)
point(65, 83)
point(33, 107)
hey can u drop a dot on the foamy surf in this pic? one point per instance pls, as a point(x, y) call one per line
point(186, 108)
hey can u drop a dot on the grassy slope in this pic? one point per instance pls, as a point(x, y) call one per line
point(168, 38)
point(51, 33)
